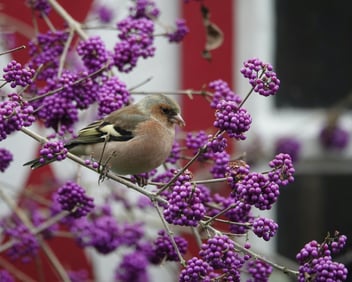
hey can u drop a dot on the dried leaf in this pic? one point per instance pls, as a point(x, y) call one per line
point(214, 35)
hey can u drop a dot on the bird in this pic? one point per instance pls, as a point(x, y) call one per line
point(129, 141)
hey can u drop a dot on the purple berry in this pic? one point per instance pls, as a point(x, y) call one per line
point(196, 270)
point(231, 119)
point(73, 198)
point(179, 33)
point(334, 137)
point(99, 232)
point(283, 170)
point(261, 76)
point(264, 228)
point(93, 53)
point(221, 92)
point(256, 189)
point(288, 145)
point(164, 250)
point(5, 159)
point(54, 150)
point(113, 95)
point(14, 114)
point(133, 267)
point(185, 206)
point(15, 74)
point(259, 270)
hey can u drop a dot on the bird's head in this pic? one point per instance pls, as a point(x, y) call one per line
point(162, 107)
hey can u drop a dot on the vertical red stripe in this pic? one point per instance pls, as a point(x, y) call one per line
point(195, 70)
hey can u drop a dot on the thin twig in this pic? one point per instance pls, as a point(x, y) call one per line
point(22, 216)
point(220, 213)
point(188, 92)
point(64, 52)
point(51, 221)
point(68, 19)
point(48, 22)
point(55, 262)
point(170, 233)
point(182, 170)
point(208, 181)
point(254, 255)
point(140, 84)
point(78, 81)
point(15, 271)
point(13, 50)
point(196, 235)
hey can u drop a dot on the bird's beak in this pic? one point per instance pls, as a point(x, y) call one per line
point(179, 120)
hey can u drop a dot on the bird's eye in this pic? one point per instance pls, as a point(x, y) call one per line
point(166, 111)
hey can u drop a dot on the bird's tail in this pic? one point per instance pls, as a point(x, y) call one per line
point(39, 162)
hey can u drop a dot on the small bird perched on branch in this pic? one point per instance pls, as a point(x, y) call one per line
point(131, 140)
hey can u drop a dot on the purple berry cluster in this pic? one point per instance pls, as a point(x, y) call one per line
point(26, 244)
point(334, 137)
point(195, 141)
point(196, 270)
point(288, 145)
point(264, 228)
point(259, 270)
point(82, 94)
point(15, 74)
point(60, 111)
point(222, 91)
point(175, 153)
point(14, 114)
point(104, 13)
point(256, 189)
point(216, 144)
point(113, 95)
point(130, 233)
point(185, 206)
point(338, 244)
point(93, 53)
point(316, 262)
point(144, 9)
point(164, 250)
point(283, 170)
point(73, 198)
point(180, 32)
point(133, 267)
point(229, 118)
point(5, 159)
point(219, 168)
point(54, 150)
point(42, 6)
point(312, 250)
point(5, 276)
point(46, 50)
point(219, 252)
point(261, 76)
point(322, 269)
point(136, 41)
point(99, 232)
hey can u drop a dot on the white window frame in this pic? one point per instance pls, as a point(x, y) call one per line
point(254, 23)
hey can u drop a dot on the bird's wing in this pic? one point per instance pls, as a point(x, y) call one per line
point(108, 129)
